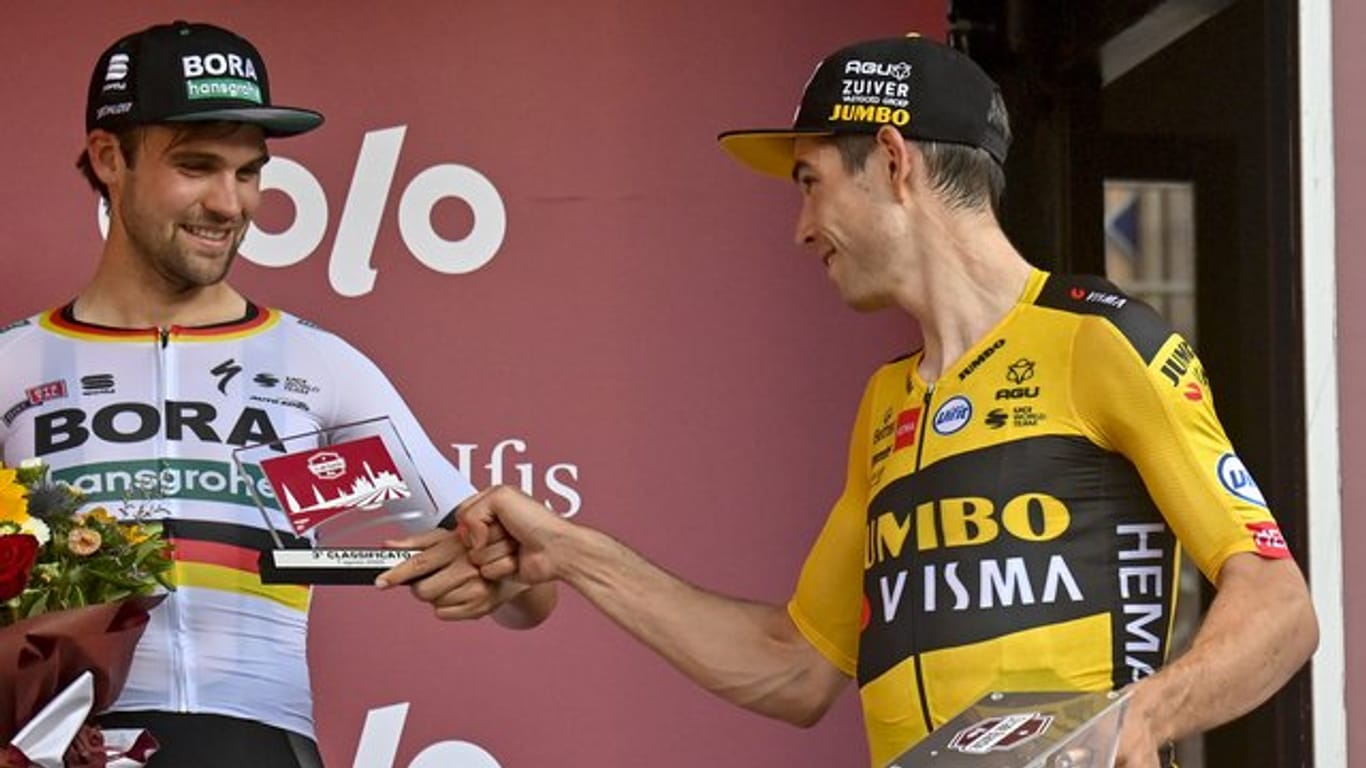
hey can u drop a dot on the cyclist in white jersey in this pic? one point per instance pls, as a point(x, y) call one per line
point(159, 369)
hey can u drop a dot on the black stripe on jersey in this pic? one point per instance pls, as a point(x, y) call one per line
point(1090, 295)
point(1013, 537)
point(244, 536)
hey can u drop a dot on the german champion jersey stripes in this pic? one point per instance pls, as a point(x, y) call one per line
point(150, 417)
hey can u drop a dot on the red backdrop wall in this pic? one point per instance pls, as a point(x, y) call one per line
point(643, 340)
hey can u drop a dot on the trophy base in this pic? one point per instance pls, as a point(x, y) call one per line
point(328, 565)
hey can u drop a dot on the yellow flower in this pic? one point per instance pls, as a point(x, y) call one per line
point(102, 515)
point(83, 541)
point(135, 534)
point(13, 498)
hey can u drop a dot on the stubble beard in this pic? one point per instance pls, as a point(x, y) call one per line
point(179, 268)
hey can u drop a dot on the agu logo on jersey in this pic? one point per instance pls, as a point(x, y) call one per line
point(953, 415)
point(1238, 481)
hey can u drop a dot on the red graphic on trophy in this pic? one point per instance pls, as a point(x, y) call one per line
point(316, 485)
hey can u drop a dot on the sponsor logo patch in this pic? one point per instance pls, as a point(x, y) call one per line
point(1020, 371)
point(13, 412)
point(225, 371)
point(906, 425)
point(953, 415)
point(97, 384)
point(42, 393)
point(1266, 536)
point(1235, 478)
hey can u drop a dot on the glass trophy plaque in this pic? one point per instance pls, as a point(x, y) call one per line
point(335, 496)
point(1026, 730)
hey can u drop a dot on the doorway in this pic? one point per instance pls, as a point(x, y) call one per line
point(1202, 100)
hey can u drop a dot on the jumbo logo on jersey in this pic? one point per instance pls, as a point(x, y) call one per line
point(971, 522)
point(135, 422)
point(1235, 478)
point(982, 357)
point(953, 415)
point(965, 522)
point(1179, 362)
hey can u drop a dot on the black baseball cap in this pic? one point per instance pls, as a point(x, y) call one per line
point(186, 72)
point(925, 89)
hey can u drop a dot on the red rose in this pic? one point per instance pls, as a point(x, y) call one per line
point(17, 552)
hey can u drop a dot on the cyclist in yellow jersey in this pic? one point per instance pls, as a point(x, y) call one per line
point(1019, 492)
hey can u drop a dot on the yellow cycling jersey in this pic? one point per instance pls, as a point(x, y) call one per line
point(1018, 524)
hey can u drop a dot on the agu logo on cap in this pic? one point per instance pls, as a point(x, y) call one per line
point(1235, 478)
point(953, 415)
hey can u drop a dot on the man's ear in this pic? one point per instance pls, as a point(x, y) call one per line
point(898, 156)
point(106, 158)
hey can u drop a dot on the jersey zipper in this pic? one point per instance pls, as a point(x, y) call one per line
point(921, 435)
point(175, 619)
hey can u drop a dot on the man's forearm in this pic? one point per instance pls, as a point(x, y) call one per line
point(1259, 630)
point(748, 653)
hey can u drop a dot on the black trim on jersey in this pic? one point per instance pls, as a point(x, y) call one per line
point(974, 579)
point(17, 324)
point(243, 536)
point(1088, 295)
point(68, 313)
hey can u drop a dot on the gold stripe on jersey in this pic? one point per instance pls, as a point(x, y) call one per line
point(225, 579)
point(258, 320)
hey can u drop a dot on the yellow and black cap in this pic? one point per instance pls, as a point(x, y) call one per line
point(925, 89)
point(187, 72)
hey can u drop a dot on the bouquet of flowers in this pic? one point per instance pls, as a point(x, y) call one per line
point(75, 590)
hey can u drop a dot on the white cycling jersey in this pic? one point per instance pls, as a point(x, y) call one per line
point(110, 409)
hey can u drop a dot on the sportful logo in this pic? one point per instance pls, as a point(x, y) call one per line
point(1235, 478)
point(117, 69)
point(115, 80)
point(97, 384)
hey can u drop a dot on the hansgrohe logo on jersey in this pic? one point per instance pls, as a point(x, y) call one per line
point(168, 479)
point(350, 271)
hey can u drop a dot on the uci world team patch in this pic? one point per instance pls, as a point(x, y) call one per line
point(1235, 478)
